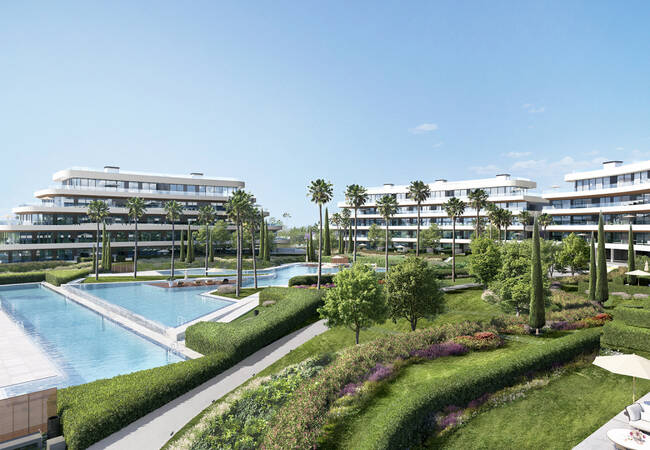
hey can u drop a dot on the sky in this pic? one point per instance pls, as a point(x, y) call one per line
point(280, 93)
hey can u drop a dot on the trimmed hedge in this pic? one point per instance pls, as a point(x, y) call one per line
point(243, 338)
point(635, 317)
point(445, 272)
point(407, 424)
point(22, 277)
point(308, 280)
point(59, 277)
point(92, 411)
point(33, 266)
point(618, 335)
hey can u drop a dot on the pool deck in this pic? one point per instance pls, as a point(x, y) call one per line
point(598, 440)
point(21, 361)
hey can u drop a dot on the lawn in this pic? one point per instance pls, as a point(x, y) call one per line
point(560, 415)
point(244, 292)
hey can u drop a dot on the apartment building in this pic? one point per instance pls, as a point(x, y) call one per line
point(57, 227)
point(504, 191)
point(621, 192)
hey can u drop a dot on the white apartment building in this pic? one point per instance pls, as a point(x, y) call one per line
point(58, 226)
point(620, 192)
point(503, 190)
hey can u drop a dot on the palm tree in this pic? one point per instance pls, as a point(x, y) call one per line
point(506, 221)
point(493, 217)
point(454, 207)
point(252, 219)
point(320, 192)
point(478, 200)
point(356, 196)
point(387, 206)
point(137, 208)
point(173, 213)
point(336, 221)
point(524, 219)
point(97, 211)
point(235, 208)
point(544, 220)
point(206, 217)
point(345, 224)
point(419, 191)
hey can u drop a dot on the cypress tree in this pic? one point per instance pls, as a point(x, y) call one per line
point(188, 251)
point(340, 241)
point(537, 313)
point(94, 261)
point(211, 251)
point(350, 239)
point(327, 250)
point(104, 246)
point(182, 253)
point(602, 291)
point(308, 250)
point(267, 243)
point(630, 255)
point(312, 253)
point(262, 243)
point(190, 246)
point(592, 269)
point(109, 259)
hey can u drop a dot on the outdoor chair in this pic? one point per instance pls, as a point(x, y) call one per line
point(639, 415)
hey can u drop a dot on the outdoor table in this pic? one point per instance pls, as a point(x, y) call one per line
point(622, 440)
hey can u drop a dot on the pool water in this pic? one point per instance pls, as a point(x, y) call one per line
point(168, 307)
point(83, 345)
point(281, 275)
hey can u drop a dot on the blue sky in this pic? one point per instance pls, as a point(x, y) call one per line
point(280, 93)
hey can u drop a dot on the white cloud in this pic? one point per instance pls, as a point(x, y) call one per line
point(439, 144)
point(517, 154)
point(424, 128)
point(529, 164)
point(490, 169)
point(532, 109)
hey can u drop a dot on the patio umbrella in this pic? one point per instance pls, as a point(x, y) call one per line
point(631, 365)
point(646, 267)
point(638, 273)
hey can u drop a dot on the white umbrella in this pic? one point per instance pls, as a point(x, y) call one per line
point(638, 273)
point(646, 267)
point(634, 366)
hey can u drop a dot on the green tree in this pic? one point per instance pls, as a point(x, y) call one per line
point(592, 268)
point(524, 220)
point(235, 209)
point(336, 221)
point(356, 196)
point(345, 224)
point(419, 192)
point(630, 255)
point(505, 219)
point(478, 200)
point(375, 236)
point(97, 212)
point(182, 251)
point(220, 233)
point(327, 251)
point(454, 207)
point(172, 214)
point(537, 315)
point(494, 219)
point(602, 290)
point(430, 237)
point(262, 236)
point(320, 192)
point(544, 221)
point(206, 216)
point(574, 253)
point(108, 260)
point(387, 208)
point(136, 209)
point(251, 220)
point(189, 255)
point(412, 291)
point(485, 260)
point(356, 301)
point(104, 247)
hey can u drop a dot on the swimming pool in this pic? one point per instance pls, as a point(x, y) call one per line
point(281, 275)
point(84, 346)
point(168, 307)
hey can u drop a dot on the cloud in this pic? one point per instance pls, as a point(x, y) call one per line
point(532, 109)
point(439, 144)
point(529, 164)
point(424, 128)
point(490, 169)
point(517, 154)
point(619, 148)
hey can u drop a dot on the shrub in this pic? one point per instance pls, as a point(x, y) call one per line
point(308, 280)
point(59, 277)
point(406, 424)
point(243, 338)
point(618, 335)
point(22, 277)
point(483, 340)
point(32, 266)
point(633, 316)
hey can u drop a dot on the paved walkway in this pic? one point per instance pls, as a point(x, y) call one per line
point(154, 429)
point(598, 439)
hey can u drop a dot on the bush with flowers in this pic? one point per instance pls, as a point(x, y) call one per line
point(483, 340)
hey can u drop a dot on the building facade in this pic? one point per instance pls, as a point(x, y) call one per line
point(503, 190)
point(620, 192)
point(58, 226)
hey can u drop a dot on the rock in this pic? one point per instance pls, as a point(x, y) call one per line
point(622, 294)
point(641, 295)
point(268, 303)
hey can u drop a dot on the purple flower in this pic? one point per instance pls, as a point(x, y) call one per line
point(439, 350)
point(380, 372)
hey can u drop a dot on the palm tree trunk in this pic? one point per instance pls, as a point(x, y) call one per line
point(135, 251)
point(237, 287)
point(173, 242)
point(253, 252)
point(354, 251)
point(207, 244)
point(478, 228)
point(453, 249)
point(320, 243)
point(97, 254)
point(386, 246)
point(505, 234)
point(417, 236)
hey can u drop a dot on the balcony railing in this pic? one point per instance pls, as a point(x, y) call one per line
point(68, 187)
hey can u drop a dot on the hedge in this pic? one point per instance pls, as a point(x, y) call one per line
point(618, 335)
point(308, 280)
point(32, 266)
point(407, 424)
point(59, 277)
point(635, 317)
point(93, 411)
point(445, 272)
point(22, 277)
point(243, 338)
